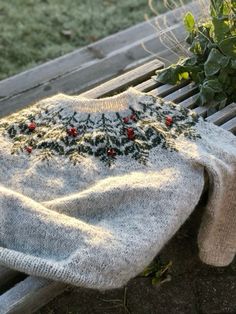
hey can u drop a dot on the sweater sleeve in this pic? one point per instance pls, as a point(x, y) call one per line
point(217, 234)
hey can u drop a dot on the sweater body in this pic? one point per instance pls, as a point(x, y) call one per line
point(91, 190)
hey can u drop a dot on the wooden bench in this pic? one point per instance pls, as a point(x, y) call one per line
point(74, 74)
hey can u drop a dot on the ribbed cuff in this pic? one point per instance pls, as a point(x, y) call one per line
point(217, 257)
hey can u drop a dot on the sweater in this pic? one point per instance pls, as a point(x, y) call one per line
point(92, 189)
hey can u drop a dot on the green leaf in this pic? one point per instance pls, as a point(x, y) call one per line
point(190, 61)
point(207, 93)
point(224, 78)
point(228, 46)
point(220, 7)
point(227, 7)
point(215, 61)
point(233, 64)
point(220, 100)
point(214, 85)
point(168, 75)
point(221, 28)
point(200, 43)
point(189, 22)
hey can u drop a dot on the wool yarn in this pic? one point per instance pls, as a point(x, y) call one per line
point(92, 189)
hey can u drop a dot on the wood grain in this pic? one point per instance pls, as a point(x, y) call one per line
point(91, 54)
point(29, 295)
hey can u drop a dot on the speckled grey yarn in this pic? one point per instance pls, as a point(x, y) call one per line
point(96, 226)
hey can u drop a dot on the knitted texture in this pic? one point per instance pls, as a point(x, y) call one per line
point(92, 189)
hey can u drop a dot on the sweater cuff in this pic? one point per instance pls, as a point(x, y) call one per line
point(217, 257)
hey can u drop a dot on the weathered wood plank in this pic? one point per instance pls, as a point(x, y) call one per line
point(182, 93)
point(29, 295)
point(94, 71)
point(147, 85)
point(94, 52)
point(201, 111)
point(190, 102)
point(223, 115)
point(123, 81)
point(230, 125)
point(81, 79)
point(144, 29)
point(165, 90)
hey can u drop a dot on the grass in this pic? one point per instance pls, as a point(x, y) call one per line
point(33, 32)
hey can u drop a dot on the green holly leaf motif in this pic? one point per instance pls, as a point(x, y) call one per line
point(97, 139)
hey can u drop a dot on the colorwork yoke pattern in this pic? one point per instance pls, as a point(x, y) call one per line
point(92, 189)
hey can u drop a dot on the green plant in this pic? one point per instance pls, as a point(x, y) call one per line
point(212, 64)
point(158, 271)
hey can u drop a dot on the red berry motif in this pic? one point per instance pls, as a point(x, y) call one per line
point(72, 132)
point(130, 133)
point(29, 149)
point(111, 152)
point(169, 120)
point(32, 126)
point(133, 117)
point(126, 119)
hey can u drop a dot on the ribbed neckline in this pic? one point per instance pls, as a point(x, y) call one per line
point(117, 103)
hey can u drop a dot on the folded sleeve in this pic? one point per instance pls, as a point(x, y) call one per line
point(217, 234)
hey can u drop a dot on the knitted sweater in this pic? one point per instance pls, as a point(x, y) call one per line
point(92, 189)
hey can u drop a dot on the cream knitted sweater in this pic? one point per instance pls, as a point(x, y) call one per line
point(92, 189)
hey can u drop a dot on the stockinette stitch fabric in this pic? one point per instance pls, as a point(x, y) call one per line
point(92, 189)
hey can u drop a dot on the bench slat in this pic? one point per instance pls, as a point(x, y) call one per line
point(93, 52)
point(87, 76)
point(182, 93)
point(123, 81)
point(230, 125)
point(165, 90)
point(148, 85)
point(29, 295)
point(189, 102)
point(223, 115)
point(201, 111)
